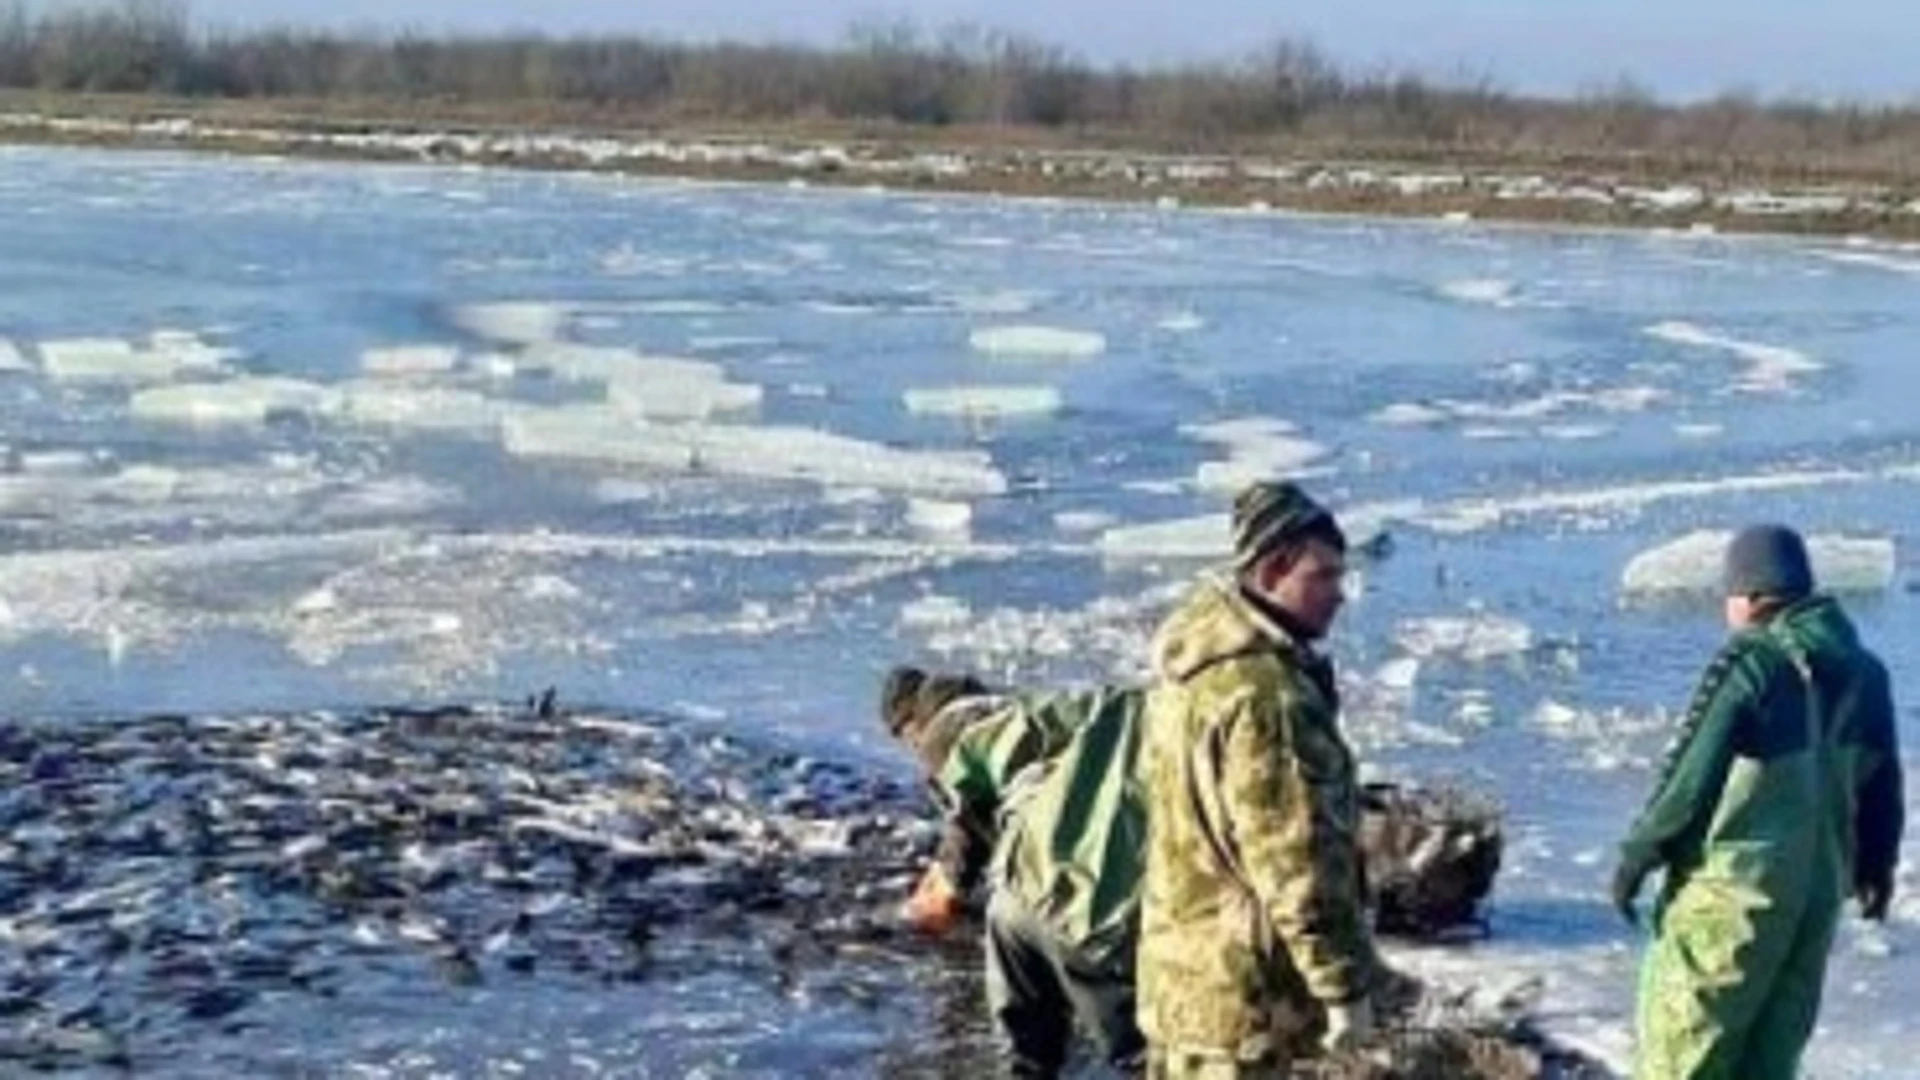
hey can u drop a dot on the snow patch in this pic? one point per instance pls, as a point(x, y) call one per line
point(1693, 564)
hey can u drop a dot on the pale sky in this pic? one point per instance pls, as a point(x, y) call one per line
point(1686, 48)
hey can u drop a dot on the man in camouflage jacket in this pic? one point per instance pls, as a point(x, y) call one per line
point(1253, 936)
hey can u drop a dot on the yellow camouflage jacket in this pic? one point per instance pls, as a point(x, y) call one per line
point(1253, 915)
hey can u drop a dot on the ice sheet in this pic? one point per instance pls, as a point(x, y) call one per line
point(239, 401)
point(1038, 342)
point(771, 453)
point(1692, 564)
point(983, 401)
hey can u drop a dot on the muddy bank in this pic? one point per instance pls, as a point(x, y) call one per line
point(491, 891)
point(1462, 191)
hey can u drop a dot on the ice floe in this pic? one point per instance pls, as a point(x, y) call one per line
point(245, 401)
point(1038, 342)
point(1489, 291)
point(409, 361)
point(1474, 638)
point(11, 359)
point(1772, 368)
point(168, 355)
point(515, 323)
point(1692, 564)
point(940, 518)
point(668, 396)
point(378, 403)
point(1183, 322)
point(1258, 448)
point(588, 433)
point(983, 401)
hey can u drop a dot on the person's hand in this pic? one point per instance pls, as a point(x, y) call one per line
point(1348, 1026)
point(1875, 897)
point(1627, 879)
point(935, 907)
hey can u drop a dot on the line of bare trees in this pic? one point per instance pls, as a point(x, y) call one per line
point(894, 71)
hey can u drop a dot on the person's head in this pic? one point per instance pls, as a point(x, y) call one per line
point(1767, 568)
point(1290, 552)
point(911, 698)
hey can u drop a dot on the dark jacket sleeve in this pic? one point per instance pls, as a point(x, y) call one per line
point(1882, 808)
point(1683, 802)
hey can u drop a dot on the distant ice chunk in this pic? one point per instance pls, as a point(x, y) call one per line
point(382, 404)
point(1038, 342)
point(935, 611)
point(1409, 414)
point(1488, 291)
point(1258, 448)
point(1772, 367)
point(517, 322)
point(1005, 302)
point(1475, 638)
point(983, 401)
point(236, 402)
point(1693, 564)
point(112, 360)
point(657, 396)
point(1699, 431)
point(597, 363)
point(1207, 537)
point(1183, 322)
point(772, 453)
point(10, 358)
point(1082, 522)
point(409, 361)
point(940, 518)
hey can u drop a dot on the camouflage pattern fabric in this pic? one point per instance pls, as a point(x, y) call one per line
point(1253, 917)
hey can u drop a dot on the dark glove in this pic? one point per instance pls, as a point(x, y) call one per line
point(1627, 879)
point(1874, 897)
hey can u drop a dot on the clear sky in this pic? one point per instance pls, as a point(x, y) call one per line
point(1684, 48)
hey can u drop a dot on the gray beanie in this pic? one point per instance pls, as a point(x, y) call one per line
point(1768, 560)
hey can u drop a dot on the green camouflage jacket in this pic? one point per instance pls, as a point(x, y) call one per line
point(1253, 915)
point(1042, 790)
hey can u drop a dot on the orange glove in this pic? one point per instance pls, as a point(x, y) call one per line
point(935, 907)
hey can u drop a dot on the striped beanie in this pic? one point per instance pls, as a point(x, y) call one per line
point(1268, 514)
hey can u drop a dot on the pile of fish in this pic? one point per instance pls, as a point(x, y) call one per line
point(163, 873)
point(170, 880)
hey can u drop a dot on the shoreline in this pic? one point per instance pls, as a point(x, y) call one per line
point(1011, 167)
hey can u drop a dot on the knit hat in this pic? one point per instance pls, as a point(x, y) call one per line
point(911, 699)
point(1268, 514)
point(1768, 560)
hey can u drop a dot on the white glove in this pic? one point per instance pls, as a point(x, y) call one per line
point(1348, 1026)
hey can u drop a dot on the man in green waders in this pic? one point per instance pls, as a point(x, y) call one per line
point(1781, 798)
point(1043, 809)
